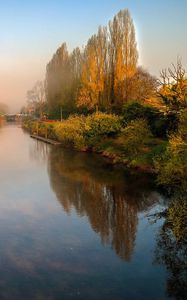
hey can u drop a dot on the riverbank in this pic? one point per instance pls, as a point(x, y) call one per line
point(138, 143)
point(105, 135)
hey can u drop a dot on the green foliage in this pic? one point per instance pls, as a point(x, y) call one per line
point(171, 248)
point(70, 132)
point(183, 122)
point(43, 129)
point(157, 148)
point(172, 165)
point(84, 132)
point(173, 90)
point(134, 110)
point(135, 136)
point(175, 97)
point(159, 123)
point(48, 131)
point(28, 124)
point(103, 124)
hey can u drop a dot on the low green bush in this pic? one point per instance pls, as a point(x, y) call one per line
point(135, 136)
point(183, 122)
point(43, 129)
point(99, 125)
point(83, 132)
point(172, 164)
point(70, 132)
point(160, 124)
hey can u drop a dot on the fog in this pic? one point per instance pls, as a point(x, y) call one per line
point(17, 75)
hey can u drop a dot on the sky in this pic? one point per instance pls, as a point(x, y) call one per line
point(31, 31)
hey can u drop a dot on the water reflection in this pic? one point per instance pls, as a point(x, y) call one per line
point(39, 151)
point(174, 256)
point(51, 249)
point(109, 199)
point(171, 249)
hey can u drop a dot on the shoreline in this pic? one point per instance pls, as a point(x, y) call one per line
point(113, 157)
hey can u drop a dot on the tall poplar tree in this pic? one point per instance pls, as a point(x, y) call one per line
point(123, 55)
point(94, 71)
point(97, 76)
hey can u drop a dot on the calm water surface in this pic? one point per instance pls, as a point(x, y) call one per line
point(74, 227)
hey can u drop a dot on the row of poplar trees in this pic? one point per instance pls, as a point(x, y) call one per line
point(101, 74)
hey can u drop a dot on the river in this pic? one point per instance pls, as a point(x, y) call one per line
point(72, 226)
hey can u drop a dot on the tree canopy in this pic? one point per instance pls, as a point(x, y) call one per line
point(104, 74)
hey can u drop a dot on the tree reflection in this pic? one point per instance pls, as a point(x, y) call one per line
point(39, 151)
point(171, 248)
point(109, 199)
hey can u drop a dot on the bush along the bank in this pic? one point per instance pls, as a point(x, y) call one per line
point(172, 165)
point(160, 123)
point(43, 129)
point(183, 123)
point(135, 136)
point(70, 132)
point(83, 133)
point(131, 143)
point(125, 139)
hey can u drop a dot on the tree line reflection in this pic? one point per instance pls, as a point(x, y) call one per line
point(171, 248)
point(110, 199)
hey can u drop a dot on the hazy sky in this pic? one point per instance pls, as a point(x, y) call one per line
point(32, 30)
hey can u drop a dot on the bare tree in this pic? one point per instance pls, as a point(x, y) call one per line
point(173, 86)
point(36, 98)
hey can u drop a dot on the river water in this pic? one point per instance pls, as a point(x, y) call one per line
point(72, 226)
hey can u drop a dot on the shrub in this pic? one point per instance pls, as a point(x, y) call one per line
point(71, 131)
point(172, 165)
point(49, 131)
point(29, 124)
point(183, 122)
point(102, 124)
point(160, 124)
point(134, 136)
point(132, 111)
point(84, 132)
point(43, 129)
